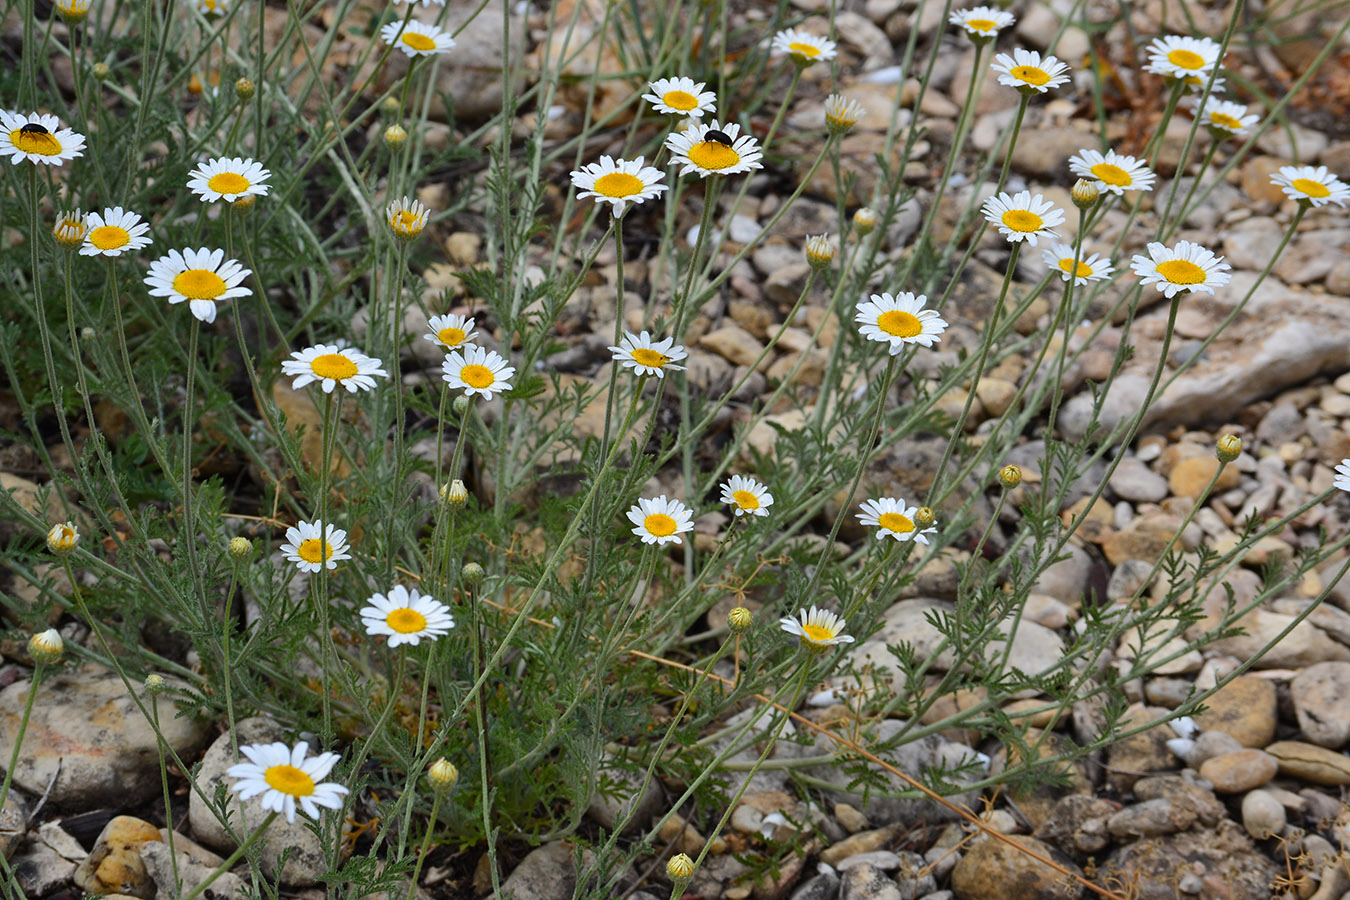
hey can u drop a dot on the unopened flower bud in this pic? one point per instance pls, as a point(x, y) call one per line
point(841, 113)
point(1010, 476)
point(1085, 193)
point(390, 106)
point(243, 205)
point(101, 71)
point(819, 251)
point(154, 684)
point(63, 538)
point(1228, 448)
point(865, 219)
point(240, 549)
point(461, 404)
point(923, 517)
point(472, 573)
point(395, 136)
point(739, 619)
point(442, 775)
point(46, 646)
point(454, 494)
point(680, 867)
point(244, 88)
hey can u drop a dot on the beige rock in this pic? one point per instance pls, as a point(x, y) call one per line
point(861, 842)
point(1262, 815)
point(1311, 762)
point(1242, 770)
point(991, 868)
point(734, 343)
point(463, 248)
point(115, 862)
point(1321, 695)
point(1244, 708)
point(1190, 477)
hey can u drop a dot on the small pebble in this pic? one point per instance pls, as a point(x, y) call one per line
point(1262, 815)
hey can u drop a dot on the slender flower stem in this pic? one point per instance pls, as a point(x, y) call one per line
point(233, 857)
point(39, 670)
point(426, 844)
point(164, 787)
point(1012, 142)
point(713, 187)
point(189, 525)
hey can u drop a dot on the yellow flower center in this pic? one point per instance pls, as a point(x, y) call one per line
point(659, 524)
point(313, 550)
point(895, 522)
point(1186, 59)
point(1223, 120)
point(901, 324)
point(1112, 175)
point(1310, 188)
point(817, 633)
point(109, 237)
point(645, 357)
point(334, 366)
point(405, 220)
point(450, 336)
point(1083, 270)
point(289, 780)
point(418, 41)
point(713, 156)
point(797, 48)
point(1030, 75)
point(1023, 220)
point(618, 184)
point(406, 621)
point(681, 100)
point(199, 284)
point(69, 231)
point(66, 539)
point(745, 500)
point(40, 143)
point(228, 183)
point(477, 376)
point(981, 24)
point(1181, 271)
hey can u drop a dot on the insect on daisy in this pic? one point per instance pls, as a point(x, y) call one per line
point(1114, 172)
point(746, 496)
point(981, 23)
point(228, 179)
point(38, 139)
point(1028, 72)
point(1342, 479)
point(1186, 267)
point(477, 371)
point(817, 629)
point(1311, 186)
point(660, 521)
point(285, 777)
point(802, 47)
point(899, 320)
point(116, 231)
point(406, 616)
point(892, 518)
point(415, 38)
point(202, 278)
point(451, 331)
point(331, 365)
point(406, 218)
point(309, 551)
point(1176, 56)
point(647, 357)
point(698, 150)
point(70, 229)
point(841, 113)
point(1023, 217)
point(1224, 118)
point(1088, 268)
point(681, 97)
point(619, 182)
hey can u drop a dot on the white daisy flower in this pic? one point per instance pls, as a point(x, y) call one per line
point(228, 179)
point(116, 231)
point(892, 518)
point(70, 229)
point(406, 218)
point(1023, 217)
point(416, 38)
point(1224, 118)
point(202, 278)
point(63, 538)
point(696, 151)
point(283, 776)
point(660, 521)
point(38, 139)
point(1176, 56)
point(73, 10)
point(213, 7)
point(1113, 172)
point(1186, 267)
point(746, 496)
point(619, 182)
point(331, 365)
point(841, 113)
point(818, 629)
point(982, 22)
point(1089, 268)
point(451, 331)
point(1313, 186)
point(406, 616)
point(1028, 72)
point(803, 47)
point(309, 552)
point(1342, 479)
point(477, 371)
point(899, 320)
point(681, 97)
point(647, 357)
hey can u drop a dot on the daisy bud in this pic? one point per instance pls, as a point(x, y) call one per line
point(455, 494)
point(1228, 448)
point(680, 867)
point(244, 205)
point(461, 404)
point(923, 517)
point(240, 549)
point(244, 88)
point(442, 775)
point(87, 333)
point(46, 646)
point(865, 219)
point(63, 538)
point(154, 684)
point(819, 251)
point(390, 106)
point(1010, 477)
point(70, 229)
point(472, 573)
point(841, 114)
point(739, 620)
point(395, 136)
point(73, 11)
point(101, 71)
point(1085, 193)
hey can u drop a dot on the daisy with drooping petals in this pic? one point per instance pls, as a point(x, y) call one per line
point(1224, 118)
point(213, 7)
point(416, 38)
point(746, 496)
point(1342, 479)
point(38, 139)
point(73, 11)
point(818, 629)
point(63, 538)
point(803, 47)
point(1185, 267)
point(1028, 72)
point(647, 357)
point(451, 331)
point(1091, 268)
point(981, 22)
point(1023, 217)
point(406, 616)
point(660, 521)
point(70, 229)
point(228, 179)
point(477, 371)
point(202, 278)
point(841, 113)
point(1176, 56)
point(309, 551)
point(693, 149)
point(892, 518)
point(406, 217)
point(284, 777)
point(1114, 172)
point(1311, 186)
point(116, 231)
point(331, 365)
point(899, 320)
point(681, 97)
point(619, 182)
point(1195, 84)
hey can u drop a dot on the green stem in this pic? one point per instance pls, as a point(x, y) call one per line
point(233, 857)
